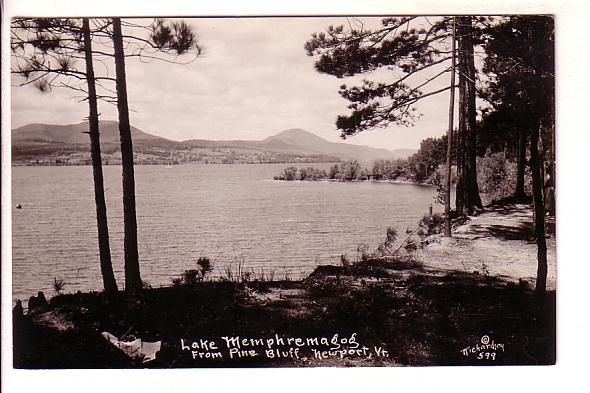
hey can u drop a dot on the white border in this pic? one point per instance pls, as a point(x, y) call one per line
point(572, 81)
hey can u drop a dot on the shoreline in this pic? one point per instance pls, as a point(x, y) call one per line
point(358, 181)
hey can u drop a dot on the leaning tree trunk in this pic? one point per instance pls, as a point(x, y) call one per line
point(132, 275)
point(106, 267)
point(541, 284)
point(519, 194)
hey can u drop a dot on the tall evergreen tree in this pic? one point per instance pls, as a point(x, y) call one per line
point(132, 274)
point(416, 52)
point(35, 44)
point(467, 195)
point(179, 39)
point(106, 265)
point(520, 59)
point(62, 41)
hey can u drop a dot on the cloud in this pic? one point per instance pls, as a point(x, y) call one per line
point(254, 81)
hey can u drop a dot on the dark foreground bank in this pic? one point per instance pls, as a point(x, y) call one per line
point(374, 313)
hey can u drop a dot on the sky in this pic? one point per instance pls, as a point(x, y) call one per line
point(254, 80)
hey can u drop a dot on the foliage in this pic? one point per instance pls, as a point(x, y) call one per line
point(497, 176)
point(390, 237)
point(205, 266)
point(174, 36)
point(344, 260)
point(58, 284)
point(191, 277)
point(346, 171)
point(405, 45)
point(424, 166)
point(46, 51)
point(433, 224)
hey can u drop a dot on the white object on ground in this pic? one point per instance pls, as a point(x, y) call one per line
point(143, 350)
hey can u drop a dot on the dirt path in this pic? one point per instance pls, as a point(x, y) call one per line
point(499, 242)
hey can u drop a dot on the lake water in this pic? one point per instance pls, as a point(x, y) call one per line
point(233, 214)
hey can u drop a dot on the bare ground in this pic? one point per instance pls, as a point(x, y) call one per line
point(498, 242)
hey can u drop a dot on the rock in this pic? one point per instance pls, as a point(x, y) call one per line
point(38, 301)
point(17, 311)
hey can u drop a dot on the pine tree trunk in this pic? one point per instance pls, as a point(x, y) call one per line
point(519, 194)
point(106, 267)
point(447, 231)
point(132, 276)
point(471, 188)
point(461, 195)
point(541, 284)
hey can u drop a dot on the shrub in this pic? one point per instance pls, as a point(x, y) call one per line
point(433, 224)
point(497, 176)
point(363, 252)
point(289, 174)
point(410, 246)
point(190, 277)
point(205, 266)
point(58, 284)
point(344, 260)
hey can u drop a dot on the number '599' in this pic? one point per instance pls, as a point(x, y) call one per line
point(486, 355)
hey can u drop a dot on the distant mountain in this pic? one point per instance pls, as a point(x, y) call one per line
point(42, 143)
point(296, 140)
point(75, 133)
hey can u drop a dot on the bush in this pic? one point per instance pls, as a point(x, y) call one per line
point(433, 224)
point(58, 284)
point(191, 277)
point(496, 176)
point(289, 174)
point(205, 266)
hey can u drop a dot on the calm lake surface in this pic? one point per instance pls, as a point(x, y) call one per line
point(233, 214)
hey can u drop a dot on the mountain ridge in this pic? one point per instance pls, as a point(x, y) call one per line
point(292, 142)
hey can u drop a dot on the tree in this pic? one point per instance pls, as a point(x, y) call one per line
point(415, 52)
point(143, 41)
point(35, 43)
point(132, 275)
point(106, 266)
point(521, 61)
point(177, 38)
point(467, 194)
point(447, 230)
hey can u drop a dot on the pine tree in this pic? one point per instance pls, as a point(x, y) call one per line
point(520, 59)
point(35, 44)
point(416, 53)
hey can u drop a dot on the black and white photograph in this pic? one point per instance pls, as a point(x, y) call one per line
point(282, 191)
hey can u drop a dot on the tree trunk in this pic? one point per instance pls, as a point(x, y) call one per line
point(450, 144)
point(106, 267)
point(541, 284)
point(470, 186)
point(519, 194)
point(461, 196)
point(471, 152)
point(132, 276)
